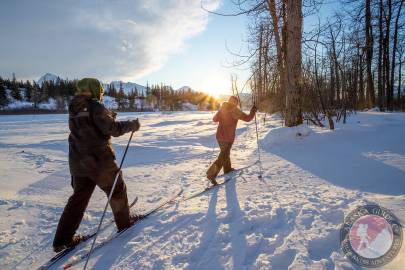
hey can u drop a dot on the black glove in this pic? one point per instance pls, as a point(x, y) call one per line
point(253, 109)
point(135, 125)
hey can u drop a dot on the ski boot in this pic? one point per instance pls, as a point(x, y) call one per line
point(76, 239)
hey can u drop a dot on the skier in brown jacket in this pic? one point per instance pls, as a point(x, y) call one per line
point(227, 116)
point(92, 161)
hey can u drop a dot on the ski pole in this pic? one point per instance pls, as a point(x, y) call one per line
point(258, 150)
point(108, 201)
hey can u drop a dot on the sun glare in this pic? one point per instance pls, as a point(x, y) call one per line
point(215, 87)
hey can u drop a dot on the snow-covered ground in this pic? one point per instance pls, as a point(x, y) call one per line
point(288, 219)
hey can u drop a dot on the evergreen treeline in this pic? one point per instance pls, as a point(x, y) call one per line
point(159, 97)
point(156, 97)
point(30, 91)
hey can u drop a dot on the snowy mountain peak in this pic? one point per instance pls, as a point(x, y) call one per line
point(185, 88)
point(48, 77)
point(127, 86)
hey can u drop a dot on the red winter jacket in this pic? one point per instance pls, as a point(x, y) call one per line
point(228, 116)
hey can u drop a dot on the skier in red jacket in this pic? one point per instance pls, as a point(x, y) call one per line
point(227, 116)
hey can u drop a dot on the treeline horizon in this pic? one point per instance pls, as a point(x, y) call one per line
point(155, 97)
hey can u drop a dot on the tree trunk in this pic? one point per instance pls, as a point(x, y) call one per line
point(394, 50)
point(265, 55)
point(293, 115)
point(379, 64)
point(369, 56)
point(280, 57)
point(361, 84)
point(387, 78)
point(260, 82)
point(332, 83)
point(355, 81)
point(399, 84)
point(336, 66)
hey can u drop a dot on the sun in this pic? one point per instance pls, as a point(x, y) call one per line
point(215, 87)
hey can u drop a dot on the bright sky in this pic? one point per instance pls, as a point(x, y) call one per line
point(205, 61)
point(169, 41)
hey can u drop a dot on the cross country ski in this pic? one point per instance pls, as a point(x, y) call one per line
point(60, 255)
point(144, 215)
point(226, 178)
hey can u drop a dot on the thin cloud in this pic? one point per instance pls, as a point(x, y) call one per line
point(124, 39)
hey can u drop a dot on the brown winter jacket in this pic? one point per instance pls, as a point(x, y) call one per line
point(91, 127)
point(228, 116)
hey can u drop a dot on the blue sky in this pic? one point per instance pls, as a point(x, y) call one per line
point(169, 41)
point(205, 61)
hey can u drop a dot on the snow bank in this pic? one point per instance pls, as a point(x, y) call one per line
point(283, 135)
point(18, 104)
point(50, 105)
point(110, 102)
point(189, 107)
point(275, 116)
point(375, 109)
point(14, 104)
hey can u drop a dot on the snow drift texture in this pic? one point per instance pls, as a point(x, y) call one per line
point(290, 219)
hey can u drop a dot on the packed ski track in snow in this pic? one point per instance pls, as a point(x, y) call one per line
point(289, 219)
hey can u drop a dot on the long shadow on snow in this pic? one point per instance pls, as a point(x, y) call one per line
point(238, 239)
point(58, 145)
point(118, 252)
point(206, 240)
point(170, 123)
point(50, 183)
point(207, 257)
point(340, 159)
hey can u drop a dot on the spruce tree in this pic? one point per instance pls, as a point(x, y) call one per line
point(36, 94)
point(111, 91)
point(131, 97)
point(120, 99)
point(28, 91)
point(3, 95)
point(15, 92)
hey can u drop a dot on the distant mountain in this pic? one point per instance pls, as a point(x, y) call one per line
point(185, 88)
point(48, 77)
point(127, 86)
